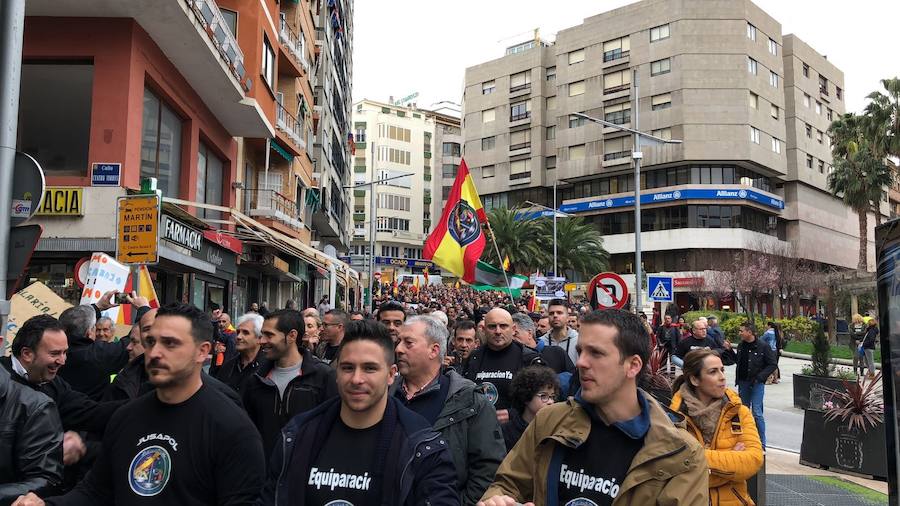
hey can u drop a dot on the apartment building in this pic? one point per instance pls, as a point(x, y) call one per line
point(719, 76)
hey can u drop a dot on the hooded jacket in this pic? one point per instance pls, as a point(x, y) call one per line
point(669, 469)
point(729, 470)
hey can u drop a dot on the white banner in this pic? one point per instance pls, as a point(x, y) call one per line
point(104, 274)
point(547, 288)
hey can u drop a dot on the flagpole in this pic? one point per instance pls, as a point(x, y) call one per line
point(497, 249)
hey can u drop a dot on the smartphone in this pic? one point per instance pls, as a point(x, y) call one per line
point(121, 298)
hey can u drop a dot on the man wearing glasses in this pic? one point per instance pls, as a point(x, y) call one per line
point(333, 324)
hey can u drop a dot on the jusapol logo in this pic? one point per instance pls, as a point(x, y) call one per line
point(149, 471)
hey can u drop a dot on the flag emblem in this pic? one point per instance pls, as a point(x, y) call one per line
point(463, 224)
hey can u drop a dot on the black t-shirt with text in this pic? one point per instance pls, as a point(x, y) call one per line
point(586, 477)
point(497, 371)
point(342, 473)
point(203, 451)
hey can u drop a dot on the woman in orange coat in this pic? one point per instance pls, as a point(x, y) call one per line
point(716, 417)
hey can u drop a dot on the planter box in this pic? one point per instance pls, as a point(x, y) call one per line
point(831, 444)
point(810, 387)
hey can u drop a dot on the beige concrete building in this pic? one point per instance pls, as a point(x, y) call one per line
point(751, 105)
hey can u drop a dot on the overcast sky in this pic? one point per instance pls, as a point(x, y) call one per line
point(424, 46)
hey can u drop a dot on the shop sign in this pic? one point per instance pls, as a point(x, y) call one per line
point(683, 282)
point(137, 229)
point(181, 234)
point(404, 262)
point(224, 240)
point(62, 201)
point(106, 174)
point(224, 260)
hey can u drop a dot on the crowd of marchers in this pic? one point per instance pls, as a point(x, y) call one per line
point(441, 397)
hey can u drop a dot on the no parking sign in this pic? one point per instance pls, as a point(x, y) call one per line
point(608, 291)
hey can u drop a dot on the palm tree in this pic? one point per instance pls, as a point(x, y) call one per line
point(579, 246)
point(859, 175)
point(884, 111)
point(518, 238)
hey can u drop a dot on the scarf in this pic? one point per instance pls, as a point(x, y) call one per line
point(706, 418)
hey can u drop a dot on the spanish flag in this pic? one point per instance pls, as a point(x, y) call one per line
point(457, 240)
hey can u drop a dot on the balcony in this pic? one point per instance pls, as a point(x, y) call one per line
point(194, 36)
point(289, 127)
point(519, 90)
point(294, 43)
point(520, 116)
point(272, 205)
point(615, 54)
point(615, 156)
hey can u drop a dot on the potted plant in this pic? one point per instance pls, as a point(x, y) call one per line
point(848, 432)
point(657, 378)
point(817, 378)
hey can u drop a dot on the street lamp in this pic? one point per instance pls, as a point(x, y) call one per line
point(637, 156)
point(556, 213)
point(370, 265)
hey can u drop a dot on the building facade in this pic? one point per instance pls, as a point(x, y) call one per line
point(751, 106)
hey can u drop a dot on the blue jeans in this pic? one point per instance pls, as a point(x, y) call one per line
point(752, 396)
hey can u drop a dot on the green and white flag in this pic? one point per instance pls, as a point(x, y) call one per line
point(488, 277)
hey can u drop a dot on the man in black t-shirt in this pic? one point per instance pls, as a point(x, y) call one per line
point(364, 448)
point(698, 340)
point(184, 443)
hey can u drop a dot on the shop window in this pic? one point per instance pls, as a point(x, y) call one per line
point(161, 145)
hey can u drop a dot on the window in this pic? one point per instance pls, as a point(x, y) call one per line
point(660, 32)
point(773, 47)
point(576, 121)
point(809, 131)
point(618, 114)
point(550, 74)
point(754, 100)
point(520, 139)
point(617, 81)
point(818, 107)
point(487, 171)
point(230, 20)
point(751, 32)
point(616, 48)
point(838, 92)
point(209, 181)
point(360, 134)
point(520, 110)
point(661, 66)
point(488, 115)
point(55, 118)
point(399, 182)
point(161, 144)
point(773, 79)
point(488, 143)
point(806, 100)
point(805, 70)
point(576, 56)
point(754, 135)
point(386, 224)
point(392, 202)
point(449, 170)
point(520, 81)
point(268, 63)
point(550, 163)
point(809, 161)
point(551, 103)
point(487, 87)
point(451, 149)
point(614, 149)
point(392, 132)
point(663, 101)
point(821, 167)
point(776, 145)
point(520, 169)
point(576, 152)
point(819, 136)
point(662, 133)
point(774, 111)
point(387, 154)
point(751, 66)
point(829, 114)
point(576, 88)
point(823, 85)
point(550, 133)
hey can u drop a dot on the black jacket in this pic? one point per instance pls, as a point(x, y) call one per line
point(30, 441)
point(89, 364)
point(473, 364)
point(270, 411)
point(555, 358)
point(761, 362)
point(870, 338)
point(232, 375)
point(76, 411)
point(423, 473)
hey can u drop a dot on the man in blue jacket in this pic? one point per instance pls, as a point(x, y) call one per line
point(364, 448)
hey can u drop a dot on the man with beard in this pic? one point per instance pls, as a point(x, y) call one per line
point(236, 371)
point(561, 334)
point(183, 443)
point(392, 315)
point(291, 381)
point(333, 324)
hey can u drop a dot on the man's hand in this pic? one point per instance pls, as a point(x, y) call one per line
point(739, 447)
point(29, 500)
point(502, 416)
point(500, 500)
point(73, 448)
point(448, 360)
point(106, 301)
point(727, 344)
point(137, 301)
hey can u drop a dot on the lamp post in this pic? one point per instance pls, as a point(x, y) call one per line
point(556, 214)
point(636, 155)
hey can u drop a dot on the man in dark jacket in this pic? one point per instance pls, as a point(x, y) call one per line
point(236, 371)
point(30, 443)
point(756, 361)
point(453, 405)
point(697, 340)
point(291, 382)
point(395, 456)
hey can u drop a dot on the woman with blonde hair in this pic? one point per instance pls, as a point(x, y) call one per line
point(312, 327)
point(716, 417)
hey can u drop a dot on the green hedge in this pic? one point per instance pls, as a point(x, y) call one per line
point(837, 351)
point(798, 328)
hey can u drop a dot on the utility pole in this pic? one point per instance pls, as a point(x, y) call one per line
point(12, 28)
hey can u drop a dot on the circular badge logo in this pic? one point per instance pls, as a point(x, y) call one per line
point(149, 471)
point(742, 194)
point(339, 502)
point(609, 202)
point(463, 223)
point(490, 392)
point(581, 501)
point(676, 194)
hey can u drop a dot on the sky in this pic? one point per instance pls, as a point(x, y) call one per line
point(424, 46)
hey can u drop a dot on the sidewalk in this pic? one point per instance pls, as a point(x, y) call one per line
point(780, 462)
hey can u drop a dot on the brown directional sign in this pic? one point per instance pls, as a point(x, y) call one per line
point(137, 229)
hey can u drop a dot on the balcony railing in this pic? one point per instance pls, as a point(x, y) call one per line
point(520, 116)
point(520, 87)
point(519, 175)
point(288, 124)
point(294, 43)
point(521, 145)
point(615, 156)
point(616, 89)
point(217, 27)
point(272, 204)
point(615, 54)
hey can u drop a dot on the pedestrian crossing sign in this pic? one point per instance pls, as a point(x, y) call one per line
point(660, 288)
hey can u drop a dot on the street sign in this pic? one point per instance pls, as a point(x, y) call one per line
point(660, 288)
point(137, 229)
point(608, 291)
point(28, 188)
point(106, 174)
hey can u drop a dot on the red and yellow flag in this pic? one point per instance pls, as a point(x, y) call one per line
point(457, 240)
